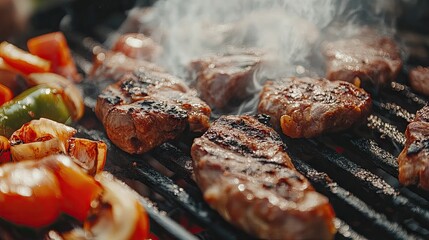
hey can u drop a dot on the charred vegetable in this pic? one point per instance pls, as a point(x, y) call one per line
point(34, 103)
point(54, 98)
point(40, 138)
point(34, 193)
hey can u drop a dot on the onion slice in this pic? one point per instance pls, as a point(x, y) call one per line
point(118, 215)
point(40, 138)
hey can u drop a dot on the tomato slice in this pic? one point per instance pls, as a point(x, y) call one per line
point(22, 60)
point(5, 94)
point(53, 47)
point(29, 194)
point(78, 189)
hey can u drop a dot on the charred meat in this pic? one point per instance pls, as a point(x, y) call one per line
point(307, 107)
point(245, 174)
point(146, 109)
point(222, 79)
point(414, 159)
point(364, 57)
point(419, 80)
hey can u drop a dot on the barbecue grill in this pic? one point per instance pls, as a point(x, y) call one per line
point(357, 169)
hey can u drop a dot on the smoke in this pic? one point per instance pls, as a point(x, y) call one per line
point(286, 31)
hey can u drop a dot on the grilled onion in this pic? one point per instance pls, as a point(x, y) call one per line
point(118, 215)
point(39, 138)
point(44, 137)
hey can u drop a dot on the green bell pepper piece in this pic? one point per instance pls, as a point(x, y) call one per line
point(34, 103)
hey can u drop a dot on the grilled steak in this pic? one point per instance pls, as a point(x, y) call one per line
point(222, 79)
point(414, 159)
point(365, 56)
point(307, 107)
point(137, 46)
point(115, 65)
point(245, 174)
point(419, 80)
point(146, 109)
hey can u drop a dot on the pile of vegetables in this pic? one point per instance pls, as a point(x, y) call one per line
point(49, 71)
point(46, 172)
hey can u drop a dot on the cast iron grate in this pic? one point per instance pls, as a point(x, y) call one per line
point(356, 170)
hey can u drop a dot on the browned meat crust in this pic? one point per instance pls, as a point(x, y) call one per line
point(115, 65)
point(366, 56)
point(223, 79)
point(146, 109)
point(245, 174)
point(419, 80)
point(414, 159)
point(307, 107)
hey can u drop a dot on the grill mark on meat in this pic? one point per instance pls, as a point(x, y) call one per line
point(145, 109)
point(228, 142)
point(418, 146)
point(261, 193)
point(249, 130)
point(113, 100)
point(158, 107)
point(307, 107)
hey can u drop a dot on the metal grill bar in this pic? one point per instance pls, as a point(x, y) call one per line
point(376, 190)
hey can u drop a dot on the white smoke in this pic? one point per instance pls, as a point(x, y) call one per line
point(287, 31)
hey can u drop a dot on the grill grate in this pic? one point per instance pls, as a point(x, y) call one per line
point(357, 170)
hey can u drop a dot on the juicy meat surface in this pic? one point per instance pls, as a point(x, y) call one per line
point(146, 109)
point(419, 80)
point(242, 168)
point(114, 65)
point(137, 46)
point(307, 107)
point(414, 158)
point(222, 79)
point(366, 56)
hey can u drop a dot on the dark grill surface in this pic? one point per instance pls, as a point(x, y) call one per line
point(357, 170)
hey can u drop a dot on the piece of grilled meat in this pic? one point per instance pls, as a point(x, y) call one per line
point(414, 159)
point(307, 107)
point(419, 80)
point(137, 46)
point(242, 168)
point(146, 109)
point(366, 56)
point(114, 65)
point(223, 79)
